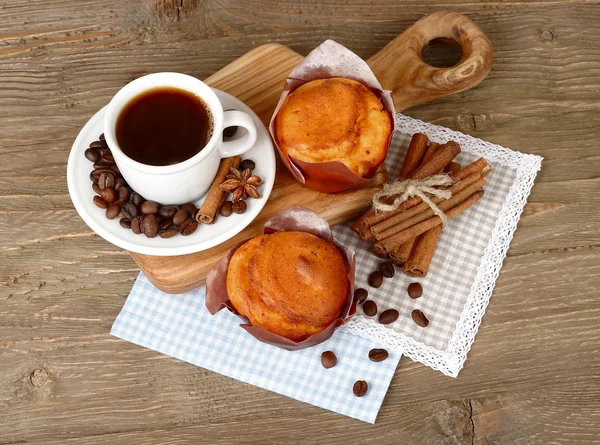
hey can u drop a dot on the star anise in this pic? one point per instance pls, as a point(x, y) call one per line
point(241, 184)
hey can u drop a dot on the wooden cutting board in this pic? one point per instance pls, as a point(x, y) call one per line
point(257, 79)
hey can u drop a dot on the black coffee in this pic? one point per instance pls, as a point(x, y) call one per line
point(164, 126)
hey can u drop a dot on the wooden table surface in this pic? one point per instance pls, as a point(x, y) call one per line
point(533, 374)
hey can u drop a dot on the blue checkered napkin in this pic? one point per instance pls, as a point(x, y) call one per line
point(180, 326)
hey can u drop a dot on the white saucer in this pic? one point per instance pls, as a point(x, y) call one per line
point(206, 236)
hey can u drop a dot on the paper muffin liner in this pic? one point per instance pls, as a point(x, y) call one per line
point(330, 59)
point(299, 219)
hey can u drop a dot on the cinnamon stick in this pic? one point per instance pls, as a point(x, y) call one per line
point(439, 160)
point(402, 253)
point(453, 167)
point(389, 244)
point(215, 197)
point(431, 150)
point(414, 155)
point(417, 265)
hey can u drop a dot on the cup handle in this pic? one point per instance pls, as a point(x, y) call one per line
point(238, 146)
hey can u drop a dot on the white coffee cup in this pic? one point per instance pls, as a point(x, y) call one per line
point(188, 180)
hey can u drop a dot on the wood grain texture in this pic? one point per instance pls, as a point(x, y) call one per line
point(532, 374)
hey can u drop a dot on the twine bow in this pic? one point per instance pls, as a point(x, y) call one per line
point(403, 190)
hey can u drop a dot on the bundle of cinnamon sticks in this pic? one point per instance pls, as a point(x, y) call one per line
point(408, 234)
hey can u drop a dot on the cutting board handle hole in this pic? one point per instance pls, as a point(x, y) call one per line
point(442, 53)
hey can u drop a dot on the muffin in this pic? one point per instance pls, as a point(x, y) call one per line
point(334, 119)
point(293, 284)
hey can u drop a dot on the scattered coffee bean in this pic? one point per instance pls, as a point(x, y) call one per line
point(226, 209)
point(165, 223)
point(100, 202)
point(190, 208)
point(136, 225)
point(229, 132)
point(387, 269)
point(96, 188)
point(101, 137)
point(328, 359)
point(180, 217)
point(375, 279)
point(119, 182)
point(125, 223)
point(388, 316)
point(98, 144)
point(239, 207)
point(360, 295)
point(168, 211)
point(106, 181)
point(378, 355)
point(168, 233)
point(101, 165)
point(92, 155)
point(247, 163)
point(107, 157)
point(115, 169)
point(360, 388)
point(136, 198)
point(188, 227)
point(123, 195)
point(415, 290)
point(150, 226)
point(95, 174)
point(113, 210)
point(109, 195)
point(369, 308)
point(420, 318)
point(129, 210)
point(149, 208)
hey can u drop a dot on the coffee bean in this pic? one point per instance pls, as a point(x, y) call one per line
point(129, 210)
point(101, 137)
point(115, 169)
point(100, 202)
point(370, 308)
point(109, 195)
point(92, 155)
point(188, 227)
point(378, 355)
point(113, 210)
point(107, 157)
point(375, 279)
point(93, 178)
point(420, 318)
point(229, 132)
point(165, 223)
point(95, 174)
point(96, 188)
point(360, 295)
point(136, 225)
point(247, 163)
point(415, 290)
point(180, 217)
point(239, 207)
point(123, 195)
point(149, 208)
point(168, 211)
point(98, 144)
point(226, 209)
point(189, 207)
point(360, 388)
point(387, 269)
point(125, 222)
point(388, 316)
point(328, 359)
point(101, 165)
point(168, 233)
point(106, 181)
point(150, 226)
point(119, 182)
point(136, 198)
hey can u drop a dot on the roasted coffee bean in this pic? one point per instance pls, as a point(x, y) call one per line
point(328, 359)
point(107, 157)
point(360, 295)
point(165, 223)
point(136, 198)
point(188, 227)
point(229, 132)
point(123, 194)
point(96, 188)
point(189, 207)
point(129, 210)
point(378, 355)
point(95, 174)
point(101, 137)
point(101, 165)
point(168, 233)
point(226, 209)
point(360, 388)
point(92, 155)
point(113, 210)
point(180, 217)
point(100, 202)
point(98, 144)
point(247, 163)
point(168, 211)
point(388, 316)
point(375, 279)
point(387, 269)
point(369, 308)
point(420, 318)
point(415, 290)
point(136, 225)
point(125, 222)
point(239, 207)
point(149, 208)
point(109, 195)
point(93, 178)
point(150, 226)
point(106, 181)
point(115, 169)
point(119, 182)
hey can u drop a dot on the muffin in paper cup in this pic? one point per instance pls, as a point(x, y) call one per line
point(295, 219)
point(332, 61)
